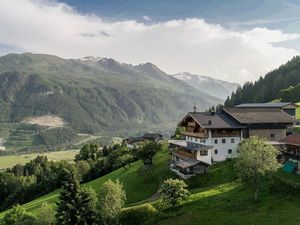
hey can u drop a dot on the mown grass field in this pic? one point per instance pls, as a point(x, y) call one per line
point(220, 198)
point(11, 160)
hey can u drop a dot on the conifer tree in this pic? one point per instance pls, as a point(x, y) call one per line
point(76, 206)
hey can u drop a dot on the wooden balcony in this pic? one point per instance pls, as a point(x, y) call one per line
point(183, 153)
point(193, 134)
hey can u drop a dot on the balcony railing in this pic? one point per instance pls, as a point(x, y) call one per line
point(200, 135)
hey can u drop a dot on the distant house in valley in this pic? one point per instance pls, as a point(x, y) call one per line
point(211, 137)
point(133, 140)
point(288, 107)
point(152, 137)
point(141, 139)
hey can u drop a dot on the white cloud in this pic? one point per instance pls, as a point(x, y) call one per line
point(179, 45)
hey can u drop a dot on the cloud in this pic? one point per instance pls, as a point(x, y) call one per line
point(191, 45)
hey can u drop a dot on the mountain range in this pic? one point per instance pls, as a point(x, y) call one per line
point(214, 87)
point(95, 94)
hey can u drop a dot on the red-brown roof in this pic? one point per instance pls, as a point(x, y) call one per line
point(293, 139)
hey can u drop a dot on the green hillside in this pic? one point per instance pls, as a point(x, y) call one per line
point(282, 83)
point(138, 186)
point(217, 197)
point(102, 95)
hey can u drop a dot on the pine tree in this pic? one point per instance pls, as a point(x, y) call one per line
point(76, 206)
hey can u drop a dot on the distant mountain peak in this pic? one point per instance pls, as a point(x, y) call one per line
point(212, 86)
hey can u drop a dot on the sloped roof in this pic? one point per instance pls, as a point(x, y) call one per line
point(264, 105)
point(259, 115)
point(213, 120)
point(187, 161)
point(293, 139)
point(151, 135)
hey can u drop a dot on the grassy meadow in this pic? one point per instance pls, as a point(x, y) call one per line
point(11, 160)
point(138, 186)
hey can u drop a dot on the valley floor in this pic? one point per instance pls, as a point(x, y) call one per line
point(11, 160)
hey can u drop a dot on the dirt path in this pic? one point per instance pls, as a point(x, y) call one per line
point(150, 199)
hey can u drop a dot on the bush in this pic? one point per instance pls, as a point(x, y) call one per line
point(138, 215)
point(174, 191)
point(18, 216)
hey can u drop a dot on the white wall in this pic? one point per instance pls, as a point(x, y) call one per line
point(206, 158)
point(221, 147)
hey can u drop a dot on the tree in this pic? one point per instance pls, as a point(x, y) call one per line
point(147, 152)
point(256, 160)
point(83, 168)
point(112, 198)
point(76, 205)
point(46, 215)
point(17, 216)
point(178, 133)
point(124, 160)
point(173, 191)
point(89, 152)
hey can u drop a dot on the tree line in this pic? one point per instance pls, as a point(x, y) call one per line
point(23, 183)
point(281, 83)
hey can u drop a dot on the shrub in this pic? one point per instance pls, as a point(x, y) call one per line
point(138, 215)
point(174, 191)
point(18, 216)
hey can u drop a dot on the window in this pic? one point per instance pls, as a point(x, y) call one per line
point(232, 140)
point(216, 151)
point(216, 141)
point(203, 152)
point(229, 151)
point(196, 139)
point(223, 141)
point(272, 135)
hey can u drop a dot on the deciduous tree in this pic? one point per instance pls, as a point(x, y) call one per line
point(256, 160)
point(112, 197)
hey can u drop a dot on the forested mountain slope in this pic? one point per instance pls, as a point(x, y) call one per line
point(94, 94)
point(282, 83)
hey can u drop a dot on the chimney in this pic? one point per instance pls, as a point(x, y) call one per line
point(195, 108)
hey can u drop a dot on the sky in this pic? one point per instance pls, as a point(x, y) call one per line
point(233, 40)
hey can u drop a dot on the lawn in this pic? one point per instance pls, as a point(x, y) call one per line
point(138, 186)
point(11, 160)
point(231, 203)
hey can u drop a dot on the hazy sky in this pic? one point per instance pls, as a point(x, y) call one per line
point(234, 40)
